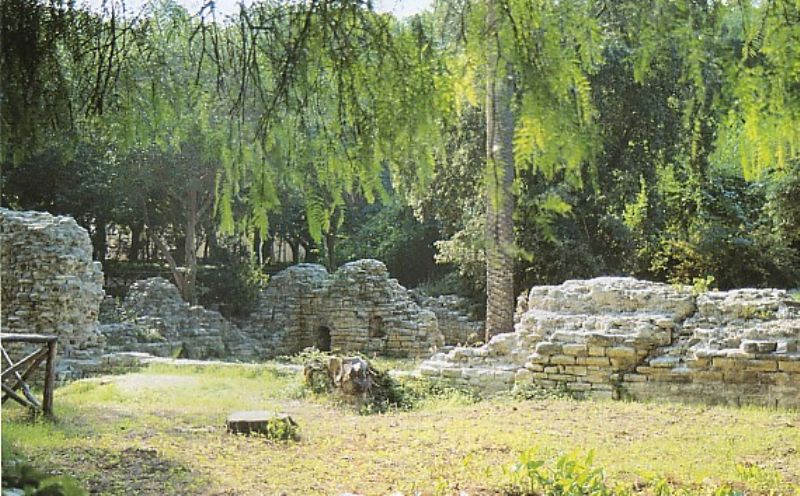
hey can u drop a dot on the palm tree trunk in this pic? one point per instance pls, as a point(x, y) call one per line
point(499, 181)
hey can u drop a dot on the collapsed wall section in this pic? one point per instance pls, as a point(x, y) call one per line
point(619, 337)
point(153, 318)
point(49, 283)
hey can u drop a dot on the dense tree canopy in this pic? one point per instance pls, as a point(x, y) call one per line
point(659, 139)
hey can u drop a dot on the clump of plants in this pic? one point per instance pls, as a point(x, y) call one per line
point(535, 392)
point(382, 392)
point(22, 478)
point(567, 475)
point(282, 429)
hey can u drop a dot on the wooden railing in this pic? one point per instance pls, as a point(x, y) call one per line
point(16, 374)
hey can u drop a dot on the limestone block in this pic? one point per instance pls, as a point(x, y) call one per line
point(548, 348)
point(789, 366)
point(562, 360)
point(575, 349)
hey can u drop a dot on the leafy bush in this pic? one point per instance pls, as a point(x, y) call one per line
point(232, 286)
point(21, 475)
point(281, 429)
point(568, 475)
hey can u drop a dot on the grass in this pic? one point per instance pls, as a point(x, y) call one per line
point(161, 431)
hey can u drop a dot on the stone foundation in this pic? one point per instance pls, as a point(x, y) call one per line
point(623, 338)
point(358, 308)
point(49, 283)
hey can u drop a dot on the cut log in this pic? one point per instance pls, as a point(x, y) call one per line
point(278, 426)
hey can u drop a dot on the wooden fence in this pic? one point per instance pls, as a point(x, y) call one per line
point(16, 374)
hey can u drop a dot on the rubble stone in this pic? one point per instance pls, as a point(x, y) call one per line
point(49, 283)
point(644, 340)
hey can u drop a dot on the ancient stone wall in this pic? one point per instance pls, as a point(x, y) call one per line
point(153, 318)
point(454, 316)
point(286, 319)
point(358, 308)
point(623, 338)
point(49, 283)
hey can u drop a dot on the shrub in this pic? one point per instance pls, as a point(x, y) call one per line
point(21, 475)
point(568, 475)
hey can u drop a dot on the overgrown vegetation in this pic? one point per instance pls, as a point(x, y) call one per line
point(21, 477)
point(118, 436)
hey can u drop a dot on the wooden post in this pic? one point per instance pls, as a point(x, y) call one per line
point(49, 379)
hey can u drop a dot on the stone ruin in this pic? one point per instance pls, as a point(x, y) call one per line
point(457, 321)
point(357, 308)
point(154, 319)
point(49, 283)
point(603, 338)
point(623, 338)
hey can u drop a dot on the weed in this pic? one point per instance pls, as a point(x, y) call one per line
point(21, 475)
point(568, 475)
point(531, 391)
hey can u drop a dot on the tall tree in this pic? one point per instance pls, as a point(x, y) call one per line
point(499, 179)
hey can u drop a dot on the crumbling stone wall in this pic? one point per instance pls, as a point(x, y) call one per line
point(623, 338)
point(49, 283)
point(153, 318)
point(358, 308)
point(286, 318)
point(456, 321)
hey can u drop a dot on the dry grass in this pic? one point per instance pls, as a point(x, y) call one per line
point(162, 432)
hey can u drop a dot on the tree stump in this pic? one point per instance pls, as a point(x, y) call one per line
point(276, 426)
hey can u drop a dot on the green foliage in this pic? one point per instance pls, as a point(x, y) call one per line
point(390, 233)
point(21, 475)
point(568, 475)
point(280, 429)
point(232, 285)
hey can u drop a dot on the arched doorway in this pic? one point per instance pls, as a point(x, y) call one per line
point(323, 338)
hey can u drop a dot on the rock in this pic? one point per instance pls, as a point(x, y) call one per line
point(275, 426)
point(161, 323)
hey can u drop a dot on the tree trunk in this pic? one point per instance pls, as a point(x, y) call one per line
point(99, 241)
point(136, 242)
point(499, 195)
point(294, 244)
point(258, 247)
point(190, 249)
point(330, 251)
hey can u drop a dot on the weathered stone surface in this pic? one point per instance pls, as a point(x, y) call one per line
point(643, 340)
point(155, 319)
point(49, 283)
point(456, 321)
point(358, 308)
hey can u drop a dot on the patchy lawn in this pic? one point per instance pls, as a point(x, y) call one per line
point(161, 431)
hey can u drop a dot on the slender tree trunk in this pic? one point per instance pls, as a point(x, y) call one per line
point(330, 250)
point(258, 246)
point(270, 255)
point(136, 242)
point(294, 244)
point(100, 241)
point(499, 181)
point(190, 249)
